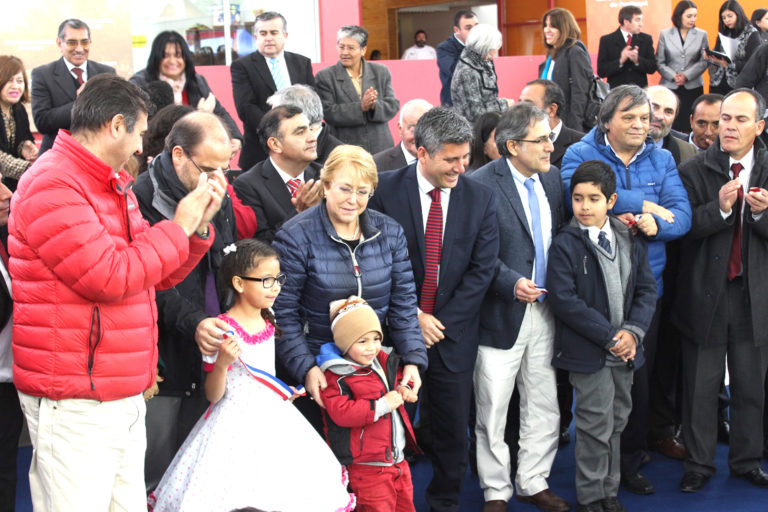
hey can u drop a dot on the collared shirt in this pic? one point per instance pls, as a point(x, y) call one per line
point(283, 67)
point(594, 233)
point(357, 81)
point(6, 356)
point(409, 158)
point(71, 66)
point(425, 187)
point(690, 140)
point(284, 175)
point(545, 212)
point(634, 157)
point(625, 35)
point(459, 40)
point(556, 130)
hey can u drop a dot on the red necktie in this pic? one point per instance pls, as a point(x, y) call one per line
point(293, 186)
point(629, 40)
point(433, 242)
point(734, 261)
point(79, 74)
point(4, 256)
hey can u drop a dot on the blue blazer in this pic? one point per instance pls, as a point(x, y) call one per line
point(502, 313)
point(470, 247)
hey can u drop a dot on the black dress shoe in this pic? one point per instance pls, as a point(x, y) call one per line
point(636, 483)
point(723, 431)
point(613, 504)
point(756, 477)
point(564, 438)
point(693, 481)
point(595, 506)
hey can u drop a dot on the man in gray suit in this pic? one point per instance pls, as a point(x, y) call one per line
point(516, 327)
point(404, 152)
point(56, 85)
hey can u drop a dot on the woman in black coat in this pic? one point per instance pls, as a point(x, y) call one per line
point(568, 64)
point(17, 146)
point(171, 61)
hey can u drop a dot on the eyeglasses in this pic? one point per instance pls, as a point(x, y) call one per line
point(363, 194)
point(73, 43)
point(206, 170)
point(267, 282)
point(541, 140)
point(348, 47)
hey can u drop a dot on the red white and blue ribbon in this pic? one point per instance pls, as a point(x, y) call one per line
point(272, 382)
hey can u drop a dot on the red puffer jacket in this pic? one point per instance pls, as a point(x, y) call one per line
point(84, 265)
point(350, 401)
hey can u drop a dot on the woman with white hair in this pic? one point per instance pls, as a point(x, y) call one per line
point(357, 95)
point(473, 88)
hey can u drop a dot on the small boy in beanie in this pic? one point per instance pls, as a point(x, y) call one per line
point(366, 425)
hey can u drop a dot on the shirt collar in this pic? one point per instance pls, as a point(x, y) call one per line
point(747, 160)
point(520, 177)
point(280, 57)
point(624, 34)
point(284, 175)
point(459, 40)
point(557, 129)
point(71, 66)
point(425, 187)
point(690, 139)
point(594, 231)
point(634, 157)
point(409, 158)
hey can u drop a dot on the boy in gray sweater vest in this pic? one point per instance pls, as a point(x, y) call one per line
point(603, 295)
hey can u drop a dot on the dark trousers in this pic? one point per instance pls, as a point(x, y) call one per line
point(169, 421)
point(703, 370)
point(634, 438)
point(682, 122)
point(449, 397)
point(564, 398)
point(11, 421)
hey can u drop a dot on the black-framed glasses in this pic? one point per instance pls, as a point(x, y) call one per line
point(206, 170)
point(73, 43)
point(267, 282)
point(541, 140)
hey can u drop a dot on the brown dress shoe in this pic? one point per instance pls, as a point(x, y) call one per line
point(671, 447)
point(546, 500)
point(495, 506)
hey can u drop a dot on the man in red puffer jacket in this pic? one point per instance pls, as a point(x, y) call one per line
point(85, 265)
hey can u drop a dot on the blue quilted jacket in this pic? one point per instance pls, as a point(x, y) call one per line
point(321, 268)
point(651, 176)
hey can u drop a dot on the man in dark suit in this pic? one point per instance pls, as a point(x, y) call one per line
point(449, 51)
point(56, 85)
point(452, 233)
point(404, 152)
point(257, 76)
point(549, 97)
point(287, 182)
point(516, 327)
point(626, 55)
point(11, 418)
point(309, 102)
point(722, 293)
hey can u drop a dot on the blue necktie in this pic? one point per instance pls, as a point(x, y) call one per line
point(277, 73)
point(538, 240)
point(602, 241)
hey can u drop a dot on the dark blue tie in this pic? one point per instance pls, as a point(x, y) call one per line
point(603, 242)
point(540, 278)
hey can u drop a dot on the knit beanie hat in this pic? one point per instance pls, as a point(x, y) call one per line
point(350, 320)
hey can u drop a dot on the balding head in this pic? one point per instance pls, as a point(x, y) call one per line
point(198, 142)
point(664, 107)
point(409, 116)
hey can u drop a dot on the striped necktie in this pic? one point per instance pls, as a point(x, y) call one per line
point(433, 243)
point(277, 73)
point(293, 186)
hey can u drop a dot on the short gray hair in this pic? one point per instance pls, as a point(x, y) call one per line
point(355, 32)
point(515, 123)
point(440, 126)
point(615, 98)
point(301, 96)
point(483, 39)
point(417, 102)
point(75, 24)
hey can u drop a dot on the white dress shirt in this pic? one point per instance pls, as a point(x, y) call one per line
point(748, 161)
point(71, 66)
point(409, 158)
point(283, 67)
point(284, 175)
point(594, 233)
point(425, 187)
point(556, 130)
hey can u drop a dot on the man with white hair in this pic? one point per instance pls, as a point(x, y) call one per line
point(308, 101)
point(404, 152)
point(664, 107)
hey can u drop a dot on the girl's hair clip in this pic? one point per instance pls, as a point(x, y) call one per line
point(230, 248)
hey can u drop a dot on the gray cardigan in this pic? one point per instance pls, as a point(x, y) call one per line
point(343, 112)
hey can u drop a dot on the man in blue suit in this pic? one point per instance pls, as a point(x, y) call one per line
point(516, 327)
point(453, 240)
point(449, 51)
